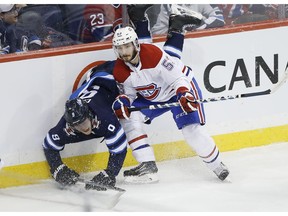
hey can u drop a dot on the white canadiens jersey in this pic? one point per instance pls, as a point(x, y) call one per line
point(157, 76)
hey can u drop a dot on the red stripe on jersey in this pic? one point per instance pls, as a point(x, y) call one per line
point(137, 138)
point(151, 87)
point(121, 71)
point(199, 107)
point(209, 154)
point(184, 68)
point(194, 89)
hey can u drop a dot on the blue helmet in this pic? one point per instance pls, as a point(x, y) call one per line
point(76, 111)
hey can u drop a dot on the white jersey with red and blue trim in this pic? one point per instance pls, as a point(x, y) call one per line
point(156, 80)
point(157, 76)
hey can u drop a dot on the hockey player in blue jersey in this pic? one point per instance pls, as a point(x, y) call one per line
point(89, 114)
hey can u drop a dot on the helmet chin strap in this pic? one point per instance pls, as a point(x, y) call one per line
point(135, 58)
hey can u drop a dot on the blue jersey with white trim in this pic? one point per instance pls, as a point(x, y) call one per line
point(99, 92)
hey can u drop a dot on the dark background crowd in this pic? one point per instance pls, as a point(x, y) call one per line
point(25, 27)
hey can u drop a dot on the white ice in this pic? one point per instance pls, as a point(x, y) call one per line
point(259, 184)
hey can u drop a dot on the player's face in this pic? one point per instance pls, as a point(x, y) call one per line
point(85, 127)
point(127, 52)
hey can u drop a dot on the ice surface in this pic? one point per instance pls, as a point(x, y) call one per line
point(259, 184)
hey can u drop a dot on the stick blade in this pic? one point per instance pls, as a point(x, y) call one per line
point(105, 199)
point(281, 82)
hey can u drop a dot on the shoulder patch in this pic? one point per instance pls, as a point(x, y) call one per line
point(150, 55)
point(121, 71)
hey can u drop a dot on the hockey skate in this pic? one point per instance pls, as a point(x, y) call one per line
point(182, 18)
point(146, 172)
point(222, 172)
point(137, 12)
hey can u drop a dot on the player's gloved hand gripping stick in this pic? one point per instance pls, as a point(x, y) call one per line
point(222, 98)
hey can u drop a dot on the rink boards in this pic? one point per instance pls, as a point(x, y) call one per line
point(225, 62)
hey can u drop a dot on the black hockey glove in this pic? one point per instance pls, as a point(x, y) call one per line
point(65, 176)
point(103, 178)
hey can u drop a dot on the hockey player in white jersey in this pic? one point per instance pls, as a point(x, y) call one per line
point(150, 75)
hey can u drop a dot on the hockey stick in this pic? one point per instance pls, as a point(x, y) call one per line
point(176, 104)
point(101, 186)
point(222, 98)
point(29, 179)
point(109, 195)
point(282, 81)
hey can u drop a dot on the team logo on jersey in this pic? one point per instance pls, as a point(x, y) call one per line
point(149, 92)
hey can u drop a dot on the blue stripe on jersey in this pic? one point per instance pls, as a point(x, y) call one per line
point(76, 93)
point(187, 71)
point(142, 146)
point(104, 75)
point(119, 134)
point(174, 45)
point(171, 53)
point(117, 143)
point(120, 149)
point(49, 144)
point(213, 159)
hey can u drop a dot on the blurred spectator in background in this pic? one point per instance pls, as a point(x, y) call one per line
point(30, 33)
point(8, 17)
point(153, 13)
point(233, 11)
point(245, 13)
point(51, 15)
point(72, 20)
point(212, 16)
point(54, 25)
point(257, 13)
point(100, 22)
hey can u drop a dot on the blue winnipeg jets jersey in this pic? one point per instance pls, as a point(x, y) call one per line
point(99, 92)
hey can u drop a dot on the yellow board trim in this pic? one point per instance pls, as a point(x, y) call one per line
point(34, 172)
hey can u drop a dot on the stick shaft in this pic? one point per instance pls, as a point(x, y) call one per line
point(207, 100)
